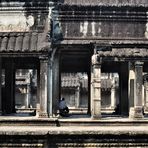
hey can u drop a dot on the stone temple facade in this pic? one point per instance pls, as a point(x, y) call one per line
point(95, 37)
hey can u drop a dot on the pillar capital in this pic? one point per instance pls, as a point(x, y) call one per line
point(43, 58)
point(139, 63)
point(95, 60)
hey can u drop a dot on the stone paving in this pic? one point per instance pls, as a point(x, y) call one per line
point(41, 130)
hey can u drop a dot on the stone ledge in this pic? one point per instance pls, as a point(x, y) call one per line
point(74, 130)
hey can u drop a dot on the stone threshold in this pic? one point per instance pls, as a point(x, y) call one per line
point(83, 120)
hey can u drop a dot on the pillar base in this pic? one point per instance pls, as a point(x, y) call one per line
point(43, 115)
point(136, 113)
point(112, 107)
point(95, 117)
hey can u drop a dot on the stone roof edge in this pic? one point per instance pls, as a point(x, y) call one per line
point(104, 41)
point(19, 6)
point(75, 5)
point(114, 3)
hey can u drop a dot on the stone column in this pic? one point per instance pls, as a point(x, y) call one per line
point(56, 85)
point(0, 86)
point(50, 88)
point(113, 91)
point(78, 97)
point(146, 96)
point(38, 91)
point(28, 96)
point(137, 111)
point(143, 95)
point(131, 87)
point(43, 87)
point(89, 93)
point(96, 88)
point(28, 90)
point(138, 89)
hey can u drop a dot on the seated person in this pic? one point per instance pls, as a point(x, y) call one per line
point(63, 108)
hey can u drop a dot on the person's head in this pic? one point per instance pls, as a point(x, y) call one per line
point(62, 99)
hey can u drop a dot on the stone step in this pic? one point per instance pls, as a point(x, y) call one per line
point(69, 121)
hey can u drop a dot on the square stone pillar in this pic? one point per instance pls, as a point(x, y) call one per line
point(146, 96)
point(113, 91)
point(77, 94)
point(43, 87)
point(137, 110)
point(38, 91)
point(131, 87)
point(50, 88)
point(0, 86)
point(28, 96)
point(56, 84)
point(96, 88)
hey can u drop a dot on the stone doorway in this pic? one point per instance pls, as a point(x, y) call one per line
point(120, 69)
point(110, 93)
point(15, 83)
point(74, 88)
point(25, 90)
point(75, 78)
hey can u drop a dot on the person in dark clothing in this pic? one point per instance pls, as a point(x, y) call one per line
point(64, 110)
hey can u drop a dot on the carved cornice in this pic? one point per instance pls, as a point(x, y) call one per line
point(23, 5)
point(112, 3)
point(124, 52)
point(126, 42)
point(101, 144)
point(88, 145)
point(101, 15)
point(102, 10)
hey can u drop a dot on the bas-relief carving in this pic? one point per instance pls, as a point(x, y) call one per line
point(15, 22)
